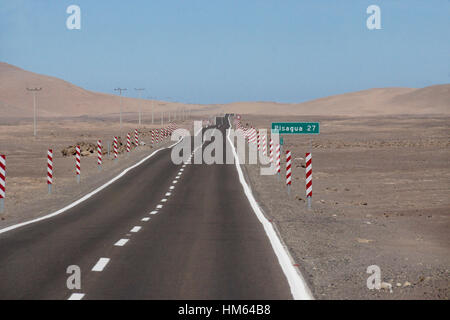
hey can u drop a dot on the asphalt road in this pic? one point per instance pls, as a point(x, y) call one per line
point(205, 242)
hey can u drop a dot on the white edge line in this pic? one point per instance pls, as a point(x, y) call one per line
point(299, 288)
point(76, 296)
point(87, 196)
point(101, 264)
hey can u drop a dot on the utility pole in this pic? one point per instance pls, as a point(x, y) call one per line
point(140, 104)
point(120, 92)
point(162, 118)
point(34, 91)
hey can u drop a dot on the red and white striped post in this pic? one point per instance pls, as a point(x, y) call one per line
point(271, 150)
point(99, 154)
point(308, 165)
point(157, 136)
point(128, 144)
point(136, 137)
point(115, 149)
point(49, 170)
point(288, 171)
point(264, 145)
point(153, 137)
point(278, 159)
point(2, 182)
point(78, 163)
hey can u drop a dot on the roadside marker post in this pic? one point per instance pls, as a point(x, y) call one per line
point(153, 137)
point(2, 182)
point(309, 128)
point(264, 145)
point(49, 170)
point(278, 161)
point(115, 149)
point(136, 137)
point(109, 149)
point(308, 165)
point(78, 163)
point(128, 144)
point(271, 150)
point(288, 171)
point(99, 154)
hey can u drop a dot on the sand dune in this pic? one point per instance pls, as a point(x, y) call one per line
point(63, 99)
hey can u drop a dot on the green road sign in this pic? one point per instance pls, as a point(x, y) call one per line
point(296, 127)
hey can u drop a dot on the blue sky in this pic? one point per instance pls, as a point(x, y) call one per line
point(210, 51)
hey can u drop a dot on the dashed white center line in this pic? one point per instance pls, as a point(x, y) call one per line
point(163, 200)
point(174, 181)
point(154, 212)
point(101, 264)
point(76, 296)
point(177, 177)
point(121, 242)
point(145, 219)
point(159, 206)
point(168, 194)
point(181, 169)
point(172, 187)
point(136, 229)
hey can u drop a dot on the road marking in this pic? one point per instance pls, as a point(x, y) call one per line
point(163, 200)
point(145, 219)
point(101, 264)
point(154, 212)
point(76, 296)
point(177, 177)
point(159, 206)
point(168, 194)
point(87, 196)
point(172, 187)
point(121, 242)
point(136, 229)
point(181, 169)
point(174, 181)
point(299, 288)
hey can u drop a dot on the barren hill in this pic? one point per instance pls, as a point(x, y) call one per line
point(63, 99)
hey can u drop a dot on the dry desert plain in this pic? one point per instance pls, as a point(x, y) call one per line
point(380, 197)
point(380, 175)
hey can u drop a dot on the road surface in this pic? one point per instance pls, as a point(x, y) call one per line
point(205, 242)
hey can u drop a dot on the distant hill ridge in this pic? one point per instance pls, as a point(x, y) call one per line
point(60, 98)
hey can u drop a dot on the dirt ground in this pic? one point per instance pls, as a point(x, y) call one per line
point(26, 161)
point(380, 197)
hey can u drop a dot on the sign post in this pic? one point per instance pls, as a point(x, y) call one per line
point(309, 128)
